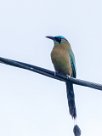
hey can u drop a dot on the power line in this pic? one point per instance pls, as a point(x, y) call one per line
point(50, 73)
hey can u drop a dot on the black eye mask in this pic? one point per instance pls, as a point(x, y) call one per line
point(58, 39)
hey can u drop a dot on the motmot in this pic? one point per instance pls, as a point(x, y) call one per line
point(64, 62)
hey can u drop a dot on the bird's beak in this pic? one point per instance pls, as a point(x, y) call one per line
point(51, 37)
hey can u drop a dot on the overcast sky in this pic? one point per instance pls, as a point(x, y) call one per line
point(35, 105)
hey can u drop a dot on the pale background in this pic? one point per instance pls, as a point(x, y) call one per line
point(35, 105)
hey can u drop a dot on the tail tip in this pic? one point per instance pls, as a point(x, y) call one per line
point(77, 130)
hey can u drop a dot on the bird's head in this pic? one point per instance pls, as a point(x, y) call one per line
point(58, 39)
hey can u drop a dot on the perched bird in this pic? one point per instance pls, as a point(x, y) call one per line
point(64, 62)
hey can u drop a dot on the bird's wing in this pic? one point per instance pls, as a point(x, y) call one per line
point(73, 64)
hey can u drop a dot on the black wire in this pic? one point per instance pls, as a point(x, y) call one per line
point(50, 73)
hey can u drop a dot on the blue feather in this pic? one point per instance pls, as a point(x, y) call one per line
point(73, 64)
point(59, 36)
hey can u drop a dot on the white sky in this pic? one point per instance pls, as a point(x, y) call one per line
point(32, 104)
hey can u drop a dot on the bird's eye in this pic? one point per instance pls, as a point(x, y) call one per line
point(58, 39)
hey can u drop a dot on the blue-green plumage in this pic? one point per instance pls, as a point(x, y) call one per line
point(73, 64)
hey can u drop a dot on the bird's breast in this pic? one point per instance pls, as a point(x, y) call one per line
point(61, 60)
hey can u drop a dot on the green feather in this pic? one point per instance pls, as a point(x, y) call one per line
point(73, 64)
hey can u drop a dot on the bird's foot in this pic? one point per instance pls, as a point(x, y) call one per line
point(55, 73)
point(68, 76)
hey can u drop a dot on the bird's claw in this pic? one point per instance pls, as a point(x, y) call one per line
point(68, 76)
point(55, 73)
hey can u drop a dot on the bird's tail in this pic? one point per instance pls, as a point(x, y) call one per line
point(71, 99)
point(72, 106)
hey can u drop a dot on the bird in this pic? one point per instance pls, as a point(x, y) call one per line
point(63, 60)
point(64, 63)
